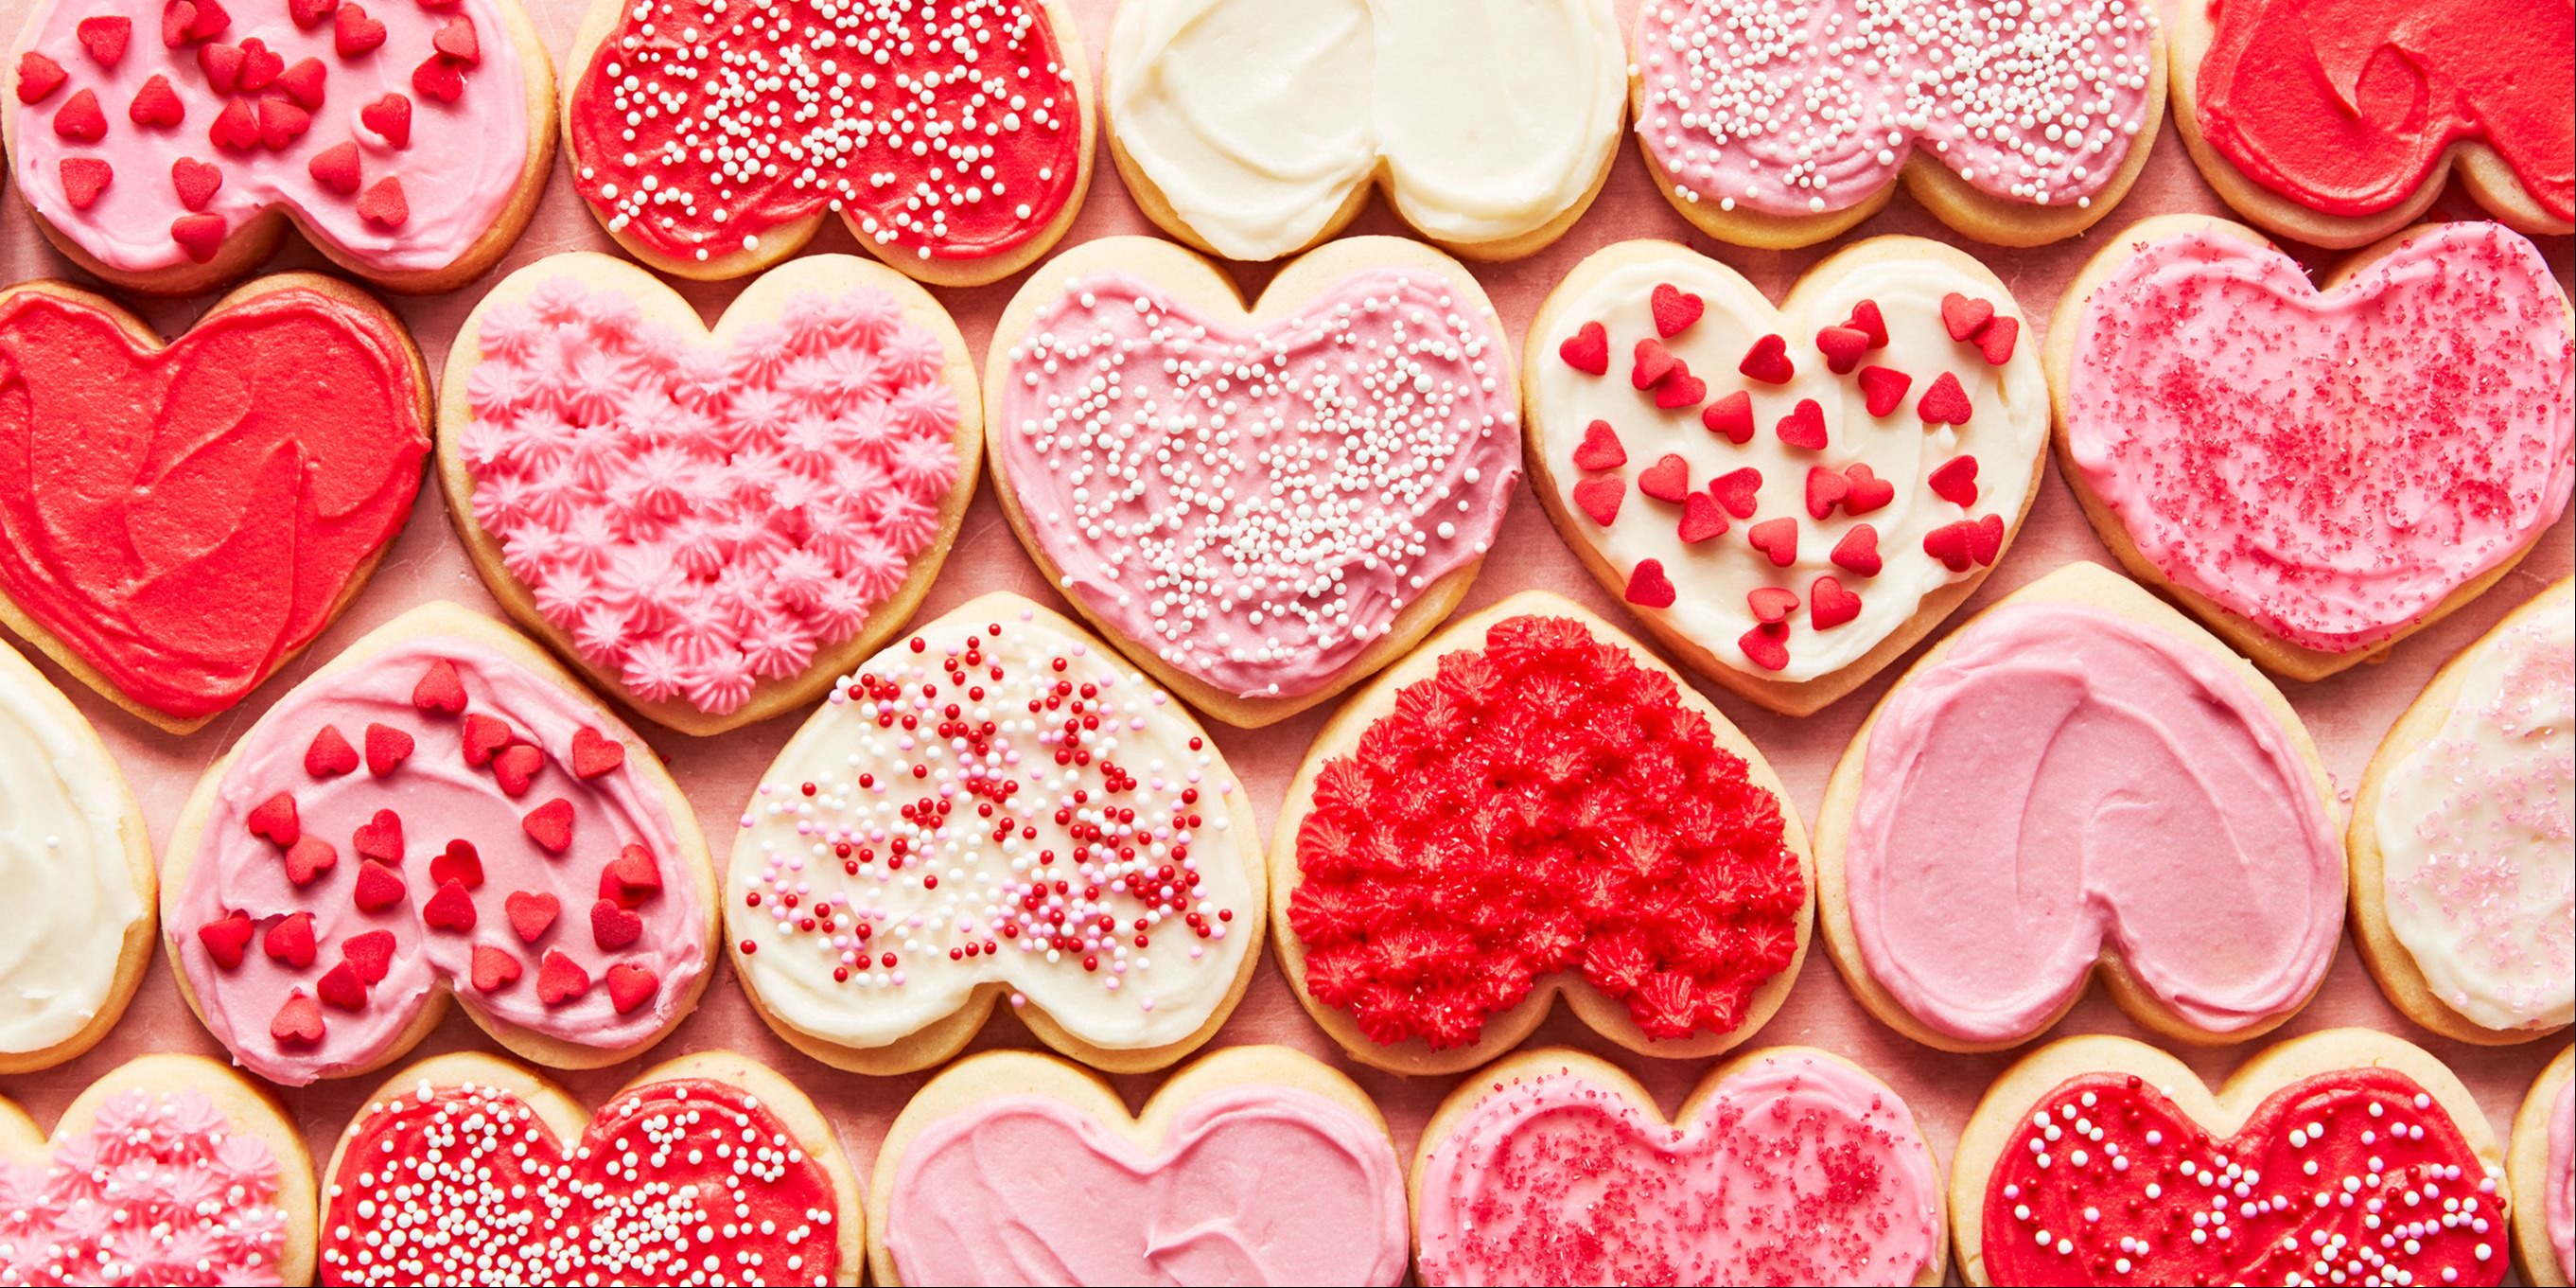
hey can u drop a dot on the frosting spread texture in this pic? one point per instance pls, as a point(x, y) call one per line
point(160, 1188)
point(2329, 465)
point(1258, 507)
point(63, 859)
point(702, 517)
point(2065, 781)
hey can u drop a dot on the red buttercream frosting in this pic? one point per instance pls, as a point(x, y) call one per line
point(185, 518)
point(686, 1181)
point(2344, 106)
point(1543, 804)
point(2352, 1176)
point(943, 129)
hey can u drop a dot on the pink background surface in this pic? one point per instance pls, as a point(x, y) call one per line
point(2346, 715)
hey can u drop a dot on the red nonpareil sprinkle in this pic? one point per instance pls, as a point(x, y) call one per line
point(1648, 587)
point(1600, 448)
point(1674, 309)
point(1587, 350)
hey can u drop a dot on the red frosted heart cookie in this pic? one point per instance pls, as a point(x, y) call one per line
point(708, 1168)
point(2343, 1156)
point(1532, 805)
point(715, 523)
point(954, 137)
point(320, 910)
point(190, 517)
point(1260, 506)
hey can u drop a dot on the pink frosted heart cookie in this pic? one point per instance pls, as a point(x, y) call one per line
point(1772, 125)
point(2317, 473)
point(1260, 506)
point(2540, 1163)
point(440, 810)
point(713, 523)
point(1787, 497)
point(1785, 1166)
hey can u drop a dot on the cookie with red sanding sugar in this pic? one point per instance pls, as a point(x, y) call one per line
point(1786, 1165)
point(1783, 129)
point(439, 811)
point(1259, 506)
point(710, 1168)
point(167, 147)
point(1787, 497)
point(952, 137)
point(2317, 471)
point(997, 807)
point(2080, 779)
point(2540, 1163)
point(709, 523)
point(1279, 1167)
point(168, 1169)
point(1532, 805)
point(2345, 1154)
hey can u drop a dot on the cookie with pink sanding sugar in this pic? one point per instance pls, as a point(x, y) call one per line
point(167, 1169)
point(439, 812)
point(710, 523)
point(1259, 504)
point(2316, 470)
point(168, 147)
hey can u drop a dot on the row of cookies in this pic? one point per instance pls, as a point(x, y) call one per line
point(410, 147)
point(2095, 1160)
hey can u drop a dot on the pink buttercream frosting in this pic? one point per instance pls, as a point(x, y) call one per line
point(1257, 508)
point(160, 1189)
point(2063, 780)
point(2328, 465)
point(1798, 1170)
point(1813, 107)
point(454, 161)
point(700, 519)
point(2560, 1205)
point(1252, 1185)
point(438, 799)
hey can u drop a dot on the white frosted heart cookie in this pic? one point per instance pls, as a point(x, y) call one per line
point(1787, 498)
point(996, 807)
point(1260, 506)
point(2461, 833)
point(1254, 129)
point(2540, 1162)
point(712, 523)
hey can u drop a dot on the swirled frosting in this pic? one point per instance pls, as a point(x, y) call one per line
point(63, 859)
point(160, 1188)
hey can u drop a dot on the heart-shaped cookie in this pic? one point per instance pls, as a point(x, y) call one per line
point(1786, 1165)
point(1781, 127)
point(2461, 867)
point(1255, 1165)
point(712, 524)
point(1254, 129)
point(1787, 498)
point(2337, 122)
point(439, 810)
point(166, 146)
point(1107, 879)
point(1533, 805)
point(187, 518)
point(952, 137)
point(709, 1168)
point(2541, 1165)
point(171, 1169)
point(1259, 509)
point(2080, 777)
point(2345, 1153)
point(2316, 473)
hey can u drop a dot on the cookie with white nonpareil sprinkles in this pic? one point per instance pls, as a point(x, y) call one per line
point(709, 1168)
point(996, 808)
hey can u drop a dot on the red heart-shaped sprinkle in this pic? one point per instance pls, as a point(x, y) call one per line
point(290, 940)
point(1963, 316)
point(260, 65)
point(1667, 480)
point(281, 123)
point(516, 767)
point(1866, 319)
point(1736, 490)
point(593, 755)
point(1654, 362)
point(383, 204)
point(387, 749)
point(531, 914)
point(1998, 340)
point(550, 825)
point(438, 79)
point(630, 878)
point(84, 178)
point(449, 909)
point(275, 820)
point(157, 105)
point(1858, 551)
point(631, 986)
point(612, 927)
point(304, 82)
point(1771, 603)
point(221, 65)
point(226, 937)
point(354, 33)
point(1702, 518)
point(1882, 389)
point(1986, 539)
point(38, 77)
point(380, 837)
point(1842, 347)
point(1730, 418)
point(1804, 426)
point(1600, 448)
point(459, 863)
point(1648, 587)
point(483, 737)
point(341, 987)
point(236, 127)
point(1599, 497)
point(1825, 490)
point(1766, 646)
point(196, 181)
point(1680, 389)
point(309, 14)
point(299, 1021)
point(456, 40)
point(493, 969)
point(1768, 361)
point(105, 38)
point(1674, 309)
point(199, 235)
point(1587, 350)
point(1868, 491)
point(80, 119)
point(560, 979)
point(308, 859)
point(1956, 481)
point(1829, 605)
point(440, 691)
point(372, 952)
point(330, 755)
point(379, 887)
point(1777, 538)
point(1945, 403)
